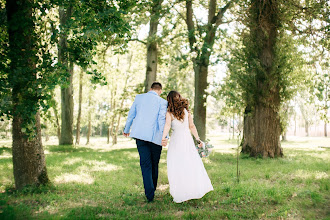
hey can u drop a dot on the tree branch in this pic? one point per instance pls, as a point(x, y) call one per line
point(212, 8)
point(190, 25)
point(179, 13)
point(135, 39)
point(217, 20)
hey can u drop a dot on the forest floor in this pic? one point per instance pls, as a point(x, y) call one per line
point(100, 181)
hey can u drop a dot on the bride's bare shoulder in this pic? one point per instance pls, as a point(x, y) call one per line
point(169, 115)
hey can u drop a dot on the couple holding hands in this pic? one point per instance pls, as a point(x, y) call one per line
point(149, 122)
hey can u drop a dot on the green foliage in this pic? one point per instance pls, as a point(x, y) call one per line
point(321, 84)
point(4, 87)
point(91, 23)
point(245, 83)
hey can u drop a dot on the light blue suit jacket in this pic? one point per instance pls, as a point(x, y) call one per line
point(147, 118)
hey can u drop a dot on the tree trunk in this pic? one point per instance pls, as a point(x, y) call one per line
point(89, 119)
point(114, 136)
point(233, 126)
point(66, 90)
point(306, 128)
point(46, 131)
point(112, 124)
point(326, 113)
point(295, 123)
point(101, 127)
point(262, 128)
point(325, 129)
point(111, 118)
point(152, 50)
point(29, 164)
point(79, 109)
point(28, 156)
point(89, 128)
point(229, 125)
point(201, 72)
point(108, 135)
point(262, 133)
point(58, 127)
point(114, 141)
point(113, 109)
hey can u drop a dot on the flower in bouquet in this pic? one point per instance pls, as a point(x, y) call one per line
point(205, 150)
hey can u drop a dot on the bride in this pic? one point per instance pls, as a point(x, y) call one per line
point(186, 173)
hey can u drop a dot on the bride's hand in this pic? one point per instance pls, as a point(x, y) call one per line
point(164, 142)
point(200, 143)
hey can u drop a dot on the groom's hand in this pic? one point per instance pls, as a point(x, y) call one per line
point(164, 142)
point(126, 134)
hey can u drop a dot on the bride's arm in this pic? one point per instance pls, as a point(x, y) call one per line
point(192, 127)
point(167, 125)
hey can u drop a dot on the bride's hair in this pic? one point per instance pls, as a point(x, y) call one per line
point(177, 104)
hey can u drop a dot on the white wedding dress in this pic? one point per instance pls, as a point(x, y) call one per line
point(186, 173)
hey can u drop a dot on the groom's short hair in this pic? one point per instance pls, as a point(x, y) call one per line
point(156, 86)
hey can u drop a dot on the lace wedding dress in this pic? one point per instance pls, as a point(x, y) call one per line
point(186, 173)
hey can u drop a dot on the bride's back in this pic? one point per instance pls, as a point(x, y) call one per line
point(180, 125)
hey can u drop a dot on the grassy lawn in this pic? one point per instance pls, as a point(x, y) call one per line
point(104, 181)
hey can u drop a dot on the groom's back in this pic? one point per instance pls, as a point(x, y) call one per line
point(148, 122)
point(147, 106)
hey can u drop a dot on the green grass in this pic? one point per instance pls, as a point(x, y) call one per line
point(100, 181)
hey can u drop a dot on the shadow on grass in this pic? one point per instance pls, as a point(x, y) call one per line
point(29, 190)
point(67, 148)
point(5, 149)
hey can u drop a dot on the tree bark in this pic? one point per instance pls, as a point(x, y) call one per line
point(262, 133)
point(326, 112)
point(58, 127)
point(262, 128)
point(284, 137)
point(28, 156)
point(29, 164)
point(46, 131)
point(66, 90)
point(108, 135)
point(89, 118)
point(233, 126)
point(295, 123)
point(152, 50)
point(101, 127)
point(201, 72)
point(305, 117)
point(79, 109)
point(112, 123)
point(114, 140)
point(306, 128)
point(325, 129)
point(111, 120)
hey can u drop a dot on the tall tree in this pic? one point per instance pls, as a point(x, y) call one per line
point(89, 131)
point(202, 49)
point(66, 137)
point(152, 48)
point(261, 121)
point(28, 155)
point(84, 24)
point(79, 108)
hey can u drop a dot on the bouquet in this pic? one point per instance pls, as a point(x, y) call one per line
point(205, 150)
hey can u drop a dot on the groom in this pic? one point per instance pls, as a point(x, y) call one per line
point(147, 119)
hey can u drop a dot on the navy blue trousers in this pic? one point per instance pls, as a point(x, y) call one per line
point(149, 160)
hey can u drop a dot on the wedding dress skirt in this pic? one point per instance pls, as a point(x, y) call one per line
point(185, 169)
